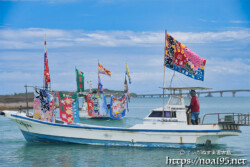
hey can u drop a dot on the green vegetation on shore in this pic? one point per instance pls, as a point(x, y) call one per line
point(16, 100)
point(113, 92)
point(16, 97)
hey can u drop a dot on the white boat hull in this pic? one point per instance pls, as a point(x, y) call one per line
point(139, 135)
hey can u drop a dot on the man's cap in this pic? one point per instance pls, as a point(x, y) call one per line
point(192, 92)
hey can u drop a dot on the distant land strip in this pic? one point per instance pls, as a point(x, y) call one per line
point(13, 102)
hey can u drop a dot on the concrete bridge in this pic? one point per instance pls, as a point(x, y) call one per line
point(209, 93)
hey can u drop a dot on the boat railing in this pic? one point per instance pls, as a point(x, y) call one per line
point(230, 118)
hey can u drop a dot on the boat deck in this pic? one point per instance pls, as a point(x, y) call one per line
point(230, 118)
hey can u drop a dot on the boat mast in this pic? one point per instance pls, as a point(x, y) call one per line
point(164, 69)
point(90, 85)
point(76, 80)
point(45, 49)
point(98, 77)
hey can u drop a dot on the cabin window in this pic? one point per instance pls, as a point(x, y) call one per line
point(175, 101)
point(173, 114)
point(167, 114)
point(156, 114)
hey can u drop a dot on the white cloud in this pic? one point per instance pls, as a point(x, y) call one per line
point(239, 21)
point(228, 67)
point(206, 37)
point(32, 38)
point(21, 58)
point(17, 76)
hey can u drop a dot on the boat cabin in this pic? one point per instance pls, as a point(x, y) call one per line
point(174, 111)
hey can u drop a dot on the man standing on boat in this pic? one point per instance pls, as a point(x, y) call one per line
point(195, 108)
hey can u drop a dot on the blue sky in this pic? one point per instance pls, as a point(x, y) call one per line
point(119, 31)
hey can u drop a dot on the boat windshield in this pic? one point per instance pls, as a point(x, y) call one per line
point(175, 100)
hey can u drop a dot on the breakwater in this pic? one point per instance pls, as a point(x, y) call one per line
point(13, 102)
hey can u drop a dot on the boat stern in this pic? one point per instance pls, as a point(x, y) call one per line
point(223, 131)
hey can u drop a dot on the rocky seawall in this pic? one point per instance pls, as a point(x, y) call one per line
point(13, 102)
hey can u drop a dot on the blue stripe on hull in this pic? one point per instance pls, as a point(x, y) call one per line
point(120, 129)
point(35, 137)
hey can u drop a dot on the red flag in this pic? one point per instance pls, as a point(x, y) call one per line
point(46, 70)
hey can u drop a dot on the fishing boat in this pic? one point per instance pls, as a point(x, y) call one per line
point(94, 103)
point(159, 129)
point(166, 126)
point(83, 110)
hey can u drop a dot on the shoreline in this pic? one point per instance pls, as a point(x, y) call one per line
point(13, 102)
point(10, 102)
point(16, 105)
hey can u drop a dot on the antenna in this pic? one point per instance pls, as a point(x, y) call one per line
point(172, 79)
point(90, 84)
point(164, 69)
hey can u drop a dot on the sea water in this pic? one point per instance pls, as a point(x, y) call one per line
point(15, 151)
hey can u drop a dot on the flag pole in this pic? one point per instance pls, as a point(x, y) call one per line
point(164, 69)
point(77, 86)
point(44, 59)
point(125, 72)
point(76, 79)
point(98, 77)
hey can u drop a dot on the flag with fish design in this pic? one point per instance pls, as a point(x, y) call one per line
point(103, 70)
point(44, 105)
point(118, 107)
point(180, 58)
point(69, 107)
point(97, 105)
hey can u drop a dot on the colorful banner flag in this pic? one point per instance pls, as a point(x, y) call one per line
point(44, 105)
point(128, 74)
point(103, 70)
point(126, 89)
point(69, 107)
point(118, 107)
point(46, 67)
point(125, 85)
point(100, 87)
point(79, 81)
point(180, 58)
point(97, 105)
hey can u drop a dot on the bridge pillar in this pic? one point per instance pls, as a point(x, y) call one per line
point(221, 94)
point(151, 95)
point(209, 94)
point(143, 96)
point(233, 94)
